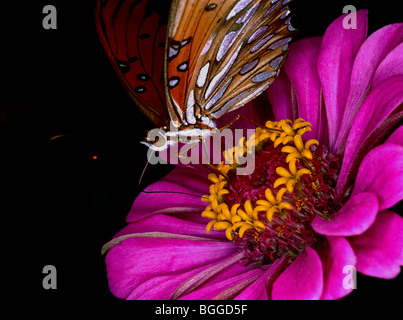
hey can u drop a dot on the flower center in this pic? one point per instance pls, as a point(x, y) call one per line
point(269, 212)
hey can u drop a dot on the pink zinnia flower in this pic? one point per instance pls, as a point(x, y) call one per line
point(312, 207)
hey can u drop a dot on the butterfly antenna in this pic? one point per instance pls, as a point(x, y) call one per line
point(172, 192)
point(205, 153)
point(145, 167)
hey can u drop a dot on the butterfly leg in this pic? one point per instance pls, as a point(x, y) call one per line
point(236, 118)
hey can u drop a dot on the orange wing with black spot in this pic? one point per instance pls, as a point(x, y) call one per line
point(212, 57)
point(132, 33)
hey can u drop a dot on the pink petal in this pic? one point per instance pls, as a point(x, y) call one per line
point(169, 224)
point(301, 69)
point(179, 191)
point(370, 59)
point(261, 288)
point(335, 62)
point(379, 250)
point(160, 287)
point(356, 216)
point(381, 172)
point(302, 280)
point(396, 137)
point(377, 107)
point(136, 260)
point(207, 274)
point(256, 291)
point(390, 66)
point(281, 99)
point(230, 281)
point(335, 257)
point(168, 286)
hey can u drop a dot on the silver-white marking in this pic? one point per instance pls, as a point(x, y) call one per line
point(230, 103)
point(261, 43)
point(208, 45)
point(173, 82)
point(279, 43)
point(230, 37)
point(271, 9)
point(247, 15)
point(227, 42)
point(190, 109)
point(183, 66)
point(172, 52)
point(201, 78)
point(219, 76)
point(218, 95)
point(249, 66)
point(276, 62)
point(257, 33)
point(263, 76)
point(238, 7)
point(285, 14)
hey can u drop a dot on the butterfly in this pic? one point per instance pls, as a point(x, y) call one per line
point(207, 58)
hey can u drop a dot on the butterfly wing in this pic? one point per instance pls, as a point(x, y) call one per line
point(222, 54)
point(133, 36)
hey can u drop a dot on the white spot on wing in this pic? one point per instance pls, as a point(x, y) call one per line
point(173, 82)
point(219, 76)
point(190, 109)
point(238, 7)
point(276, 62)
point(279, 43)
point(172, 52)
point(207, 45)
point(285, 14)
point(230, 37)
point(271, 9)
point(218, 95)
point(261, 43)
point(263, 76)
point(231, 103)
point(201, 78)
point(226, 44)
point(249, 66)
point(247, 15)
point(257, 33)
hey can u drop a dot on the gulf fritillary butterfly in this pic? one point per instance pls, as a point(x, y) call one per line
point(211, 57)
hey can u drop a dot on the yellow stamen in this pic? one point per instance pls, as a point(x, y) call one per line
point(221, 225)
point(228, 234)
point(243, 229)
point(239, 218)
point(209, 225)
point(269, 196)
point(283, 172)
point(213, 178)
point(209, 215)
point(234, 209)
point(243, 215)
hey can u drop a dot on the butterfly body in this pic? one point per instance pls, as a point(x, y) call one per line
point(210, 58)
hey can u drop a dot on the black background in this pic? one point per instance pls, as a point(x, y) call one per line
point(61, 205)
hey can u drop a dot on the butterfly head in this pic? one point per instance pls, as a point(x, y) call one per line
point(157, 139)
